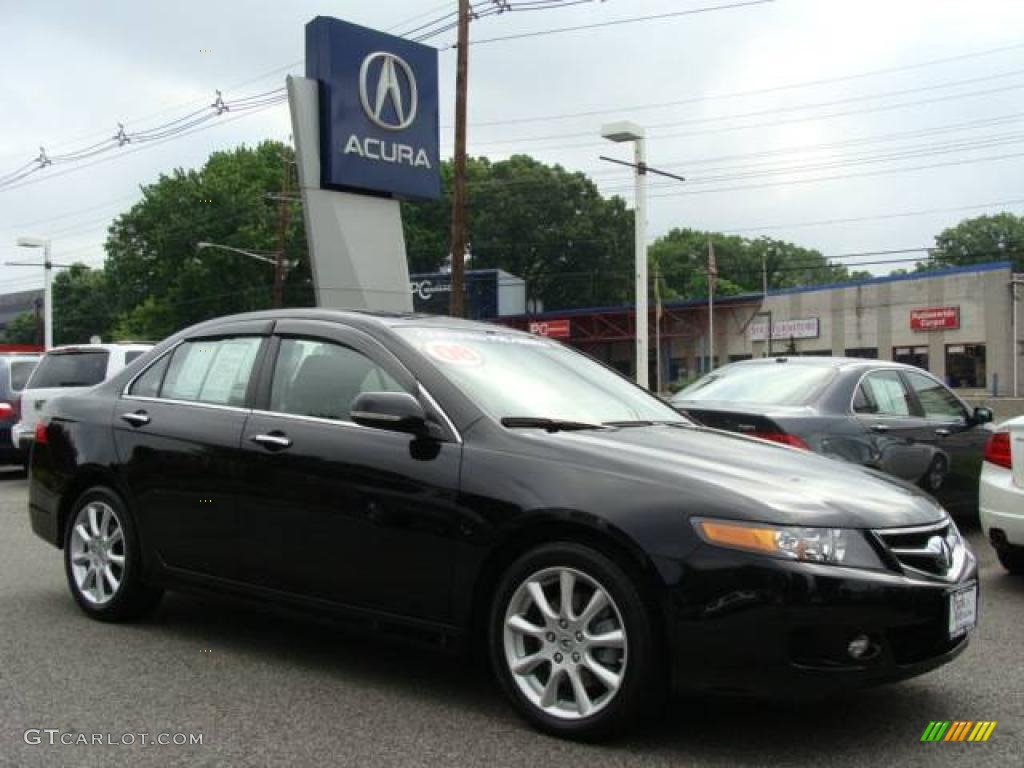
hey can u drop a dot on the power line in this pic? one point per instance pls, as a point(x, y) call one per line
point(800, 107)
point(757, 92)
point(617, 22)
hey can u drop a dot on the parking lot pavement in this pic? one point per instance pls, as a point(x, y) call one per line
point(266, 690)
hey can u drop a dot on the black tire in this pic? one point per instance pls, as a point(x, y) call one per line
point(642, 688)
point(936, 474)
point(1012, 559)
point(132, 597)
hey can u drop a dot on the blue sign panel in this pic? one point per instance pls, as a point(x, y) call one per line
point(431, 293)
point(379, 128)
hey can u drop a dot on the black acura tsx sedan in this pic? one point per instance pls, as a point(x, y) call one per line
point(476, 487)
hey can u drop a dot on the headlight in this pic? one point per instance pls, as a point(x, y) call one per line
point(839, 546)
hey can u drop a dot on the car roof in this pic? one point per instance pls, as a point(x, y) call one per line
point(824, 362)
point(363, 318)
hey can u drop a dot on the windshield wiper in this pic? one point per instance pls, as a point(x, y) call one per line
point(634, 423)
point(551, 425)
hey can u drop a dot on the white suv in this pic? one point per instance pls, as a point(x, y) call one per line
point(1001, 501)
point(69, 369)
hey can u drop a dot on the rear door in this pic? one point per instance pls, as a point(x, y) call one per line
point(177, 428)
point(889, 417)
point(334, 510)
point(947, 425)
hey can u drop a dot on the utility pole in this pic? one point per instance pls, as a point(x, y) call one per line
point(282, 236)
point(457, 307)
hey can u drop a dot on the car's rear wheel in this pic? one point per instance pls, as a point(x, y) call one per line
point(572, 642)
point(1012, 559)
point(102, 559)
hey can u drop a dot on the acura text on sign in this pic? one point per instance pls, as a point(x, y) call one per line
point(935, 319)
point(378, 110)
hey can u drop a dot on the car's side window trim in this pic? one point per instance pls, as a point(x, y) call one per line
point(899, 373)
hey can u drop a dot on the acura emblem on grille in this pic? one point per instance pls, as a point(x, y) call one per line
point(939, 548)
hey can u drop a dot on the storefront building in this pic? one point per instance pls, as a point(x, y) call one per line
point(955, 323)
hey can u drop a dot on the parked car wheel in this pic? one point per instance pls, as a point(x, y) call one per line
point(102, 559)
point(572, 643)
point(936, 474)
point(1012, 559)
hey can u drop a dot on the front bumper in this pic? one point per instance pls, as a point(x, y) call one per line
point(745, 624)
point(1001, 504)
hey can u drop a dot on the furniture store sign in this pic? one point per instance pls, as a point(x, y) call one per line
point(935, 319)
point(378, 110)
point(805, 328)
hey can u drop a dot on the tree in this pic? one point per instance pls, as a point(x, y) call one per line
point(541, 222)
point(681, 257)
point(24, 328)
point(980, 239)
point(82, 308)
point(158, 282)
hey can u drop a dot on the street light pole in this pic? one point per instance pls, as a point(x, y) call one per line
point(44, 243)
point(621, 132)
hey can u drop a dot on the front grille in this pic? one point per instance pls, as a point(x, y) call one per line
point(934, 550)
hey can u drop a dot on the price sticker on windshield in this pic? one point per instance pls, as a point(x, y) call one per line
point(451, 353)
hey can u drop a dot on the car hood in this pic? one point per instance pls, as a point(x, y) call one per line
point(726, 474)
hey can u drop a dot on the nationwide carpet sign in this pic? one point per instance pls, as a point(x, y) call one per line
point(378, 110)
point(935, 319)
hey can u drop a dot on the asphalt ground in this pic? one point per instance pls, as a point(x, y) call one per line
point(262, 689)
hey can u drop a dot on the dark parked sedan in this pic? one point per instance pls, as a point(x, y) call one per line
point(463, 484)
point(888, 416)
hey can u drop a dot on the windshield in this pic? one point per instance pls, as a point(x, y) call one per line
point(512, 375)
point(70, 369)
point(765, 384)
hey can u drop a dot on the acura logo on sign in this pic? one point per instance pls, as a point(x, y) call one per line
point(395, 99)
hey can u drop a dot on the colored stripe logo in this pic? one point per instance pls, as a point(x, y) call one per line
point(958, 730)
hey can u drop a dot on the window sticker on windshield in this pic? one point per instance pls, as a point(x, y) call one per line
point(452, 353)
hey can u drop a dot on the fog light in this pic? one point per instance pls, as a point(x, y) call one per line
point(862, 648)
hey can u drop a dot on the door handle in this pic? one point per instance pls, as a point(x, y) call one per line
point(943, 432)
point(272, 442)
point(136, 419)
point(883, 428)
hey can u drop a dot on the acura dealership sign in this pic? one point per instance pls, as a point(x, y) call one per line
point(378, 110)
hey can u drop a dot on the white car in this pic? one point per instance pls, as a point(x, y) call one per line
point(1001, 498)
point(69, 369)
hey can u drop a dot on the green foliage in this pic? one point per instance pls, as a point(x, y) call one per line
point(24, 328)
point(158, 282)
point(540, 222)
point(980, 239)
point(681, 258)
point(82, 294)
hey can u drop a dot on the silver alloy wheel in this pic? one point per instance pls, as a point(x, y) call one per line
point(565, 643)
point(97, 552)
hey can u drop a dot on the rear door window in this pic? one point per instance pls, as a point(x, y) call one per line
point(211, 371)
point(73, 368)
point(882, 393)
point(21, 370)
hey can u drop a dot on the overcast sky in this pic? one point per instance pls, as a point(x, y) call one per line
point(754, 105)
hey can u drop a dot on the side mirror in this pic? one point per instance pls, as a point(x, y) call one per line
point(395, 411)
point(982, 415)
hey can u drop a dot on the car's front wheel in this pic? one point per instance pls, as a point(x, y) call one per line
point(572, 642)
point(102, 559)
